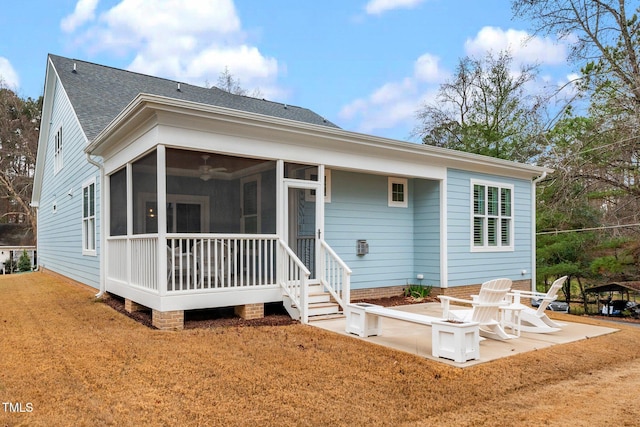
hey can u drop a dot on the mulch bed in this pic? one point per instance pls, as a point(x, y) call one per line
point(274, 313)
point(397, 300)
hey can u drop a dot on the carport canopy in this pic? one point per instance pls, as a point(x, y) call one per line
point(622, 287)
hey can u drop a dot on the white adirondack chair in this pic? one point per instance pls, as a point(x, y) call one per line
point(485, 308)
point(537, 321)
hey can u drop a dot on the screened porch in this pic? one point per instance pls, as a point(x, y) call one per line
point(185, 222)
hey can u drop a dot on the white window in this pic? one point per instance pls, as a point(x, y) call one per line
point(89, 218)
point(398, 194)
point(57, 153)
point(492, 219)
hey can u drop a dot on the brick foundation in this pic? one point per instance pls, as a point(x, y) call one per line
point(168, 320)
point(250, 311)
point(372, 293)
point(131, 307)
point(456, 291)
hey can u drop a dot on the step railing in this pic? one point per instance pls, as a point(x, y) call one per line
point(293, 277)
point(335, 275)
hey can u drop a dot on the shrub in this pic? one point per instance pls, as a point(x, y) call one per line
point(417, 292)
point(10, 266)
point(24, 263)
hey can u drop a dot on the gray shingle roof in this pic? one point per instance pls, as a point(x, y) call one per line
point(98, 93)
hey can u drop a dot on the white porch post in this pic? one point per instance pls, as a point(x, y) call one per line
point(444, 227)
point(129, 218)
point(280, 214)
point(319, 261)
point(105, 227)
point(280, 217)
point(162, 219)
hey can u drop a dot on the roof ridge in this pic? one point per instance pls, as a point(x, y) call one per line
point(198, 87)
point(99, 92)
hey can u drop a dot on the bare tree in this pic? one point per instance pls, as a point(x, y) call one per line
point(597, 154)
point(19, 127)
point(607, 34)
point(485, 109)
point(605, 154)
point(228, 83)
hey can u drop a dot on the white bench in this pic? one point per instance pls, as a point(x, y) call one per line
point(457, 341)
point(364, 319)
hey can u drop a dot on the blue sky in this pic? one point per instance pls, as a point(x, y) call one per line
point(366, 65)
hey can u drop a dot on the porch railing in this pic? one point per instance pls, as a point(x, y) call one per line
point(201, 262)
point(139, 254)
point(117, 258)
point(335, 275)
point(144, 262)
point(294, 279)
point(306, 251)
point(196, 262)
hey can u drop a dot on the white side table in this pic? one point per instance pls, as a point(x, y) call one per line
point(510, 317)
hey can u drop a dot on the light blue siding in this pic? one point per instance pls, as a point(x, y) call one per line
point(60, 233)
point(359, 210)
point(426, 196)
point(466, 267)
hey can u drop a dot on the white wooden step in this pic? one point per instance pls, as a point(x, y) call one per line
point(319, 297)
point(321, 309)
point(326, 317)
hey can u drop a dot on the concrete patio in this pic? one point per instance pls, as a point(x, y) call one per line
point(416, 339)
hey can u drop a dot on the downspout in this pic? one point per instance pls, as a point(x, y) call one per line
point(533, 229)
point(102, 231)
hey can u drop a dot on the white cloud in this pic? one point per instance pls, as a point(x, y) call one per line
point(524, 48)
point(427, 69)
point(84, 12)
point(395, 103)
point(377, 7)
point(187, 40)
point(8, 76)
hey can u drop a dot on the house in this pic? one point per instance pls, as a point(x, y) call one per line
point(177, 197)
point(15, 239)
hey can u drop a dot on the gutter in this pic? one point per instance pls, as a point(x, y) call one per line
point(534, 184)
point(102, 232)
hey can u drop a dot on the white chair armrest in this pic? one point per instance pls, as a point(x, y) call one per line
point(448, 298)
point(445, 303)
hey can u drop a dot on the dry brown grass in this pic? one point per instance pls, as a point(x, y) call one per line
point(78, 362)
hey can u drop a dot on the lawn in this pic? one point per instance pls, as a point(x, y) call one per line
point(67, 359)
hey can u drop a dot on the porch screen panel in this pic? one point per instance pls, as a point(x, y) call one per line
point(145, 189)
point(250, 207)
point(118, 203)
point(188, 217)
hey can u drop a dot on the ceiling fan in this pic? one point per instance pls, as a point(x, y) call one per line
point(206, 171)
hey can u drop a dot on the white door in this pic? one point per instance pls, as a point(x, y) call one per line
point(303, 211)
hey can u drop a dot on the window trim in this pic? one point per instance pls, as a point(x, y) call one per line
point(58, 159)
point(310, 195)
point(499, 247)
point(89, 219)
point(405, 192)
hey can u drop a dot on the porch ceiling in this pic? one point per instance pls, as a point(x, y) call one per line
point(192, 160)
